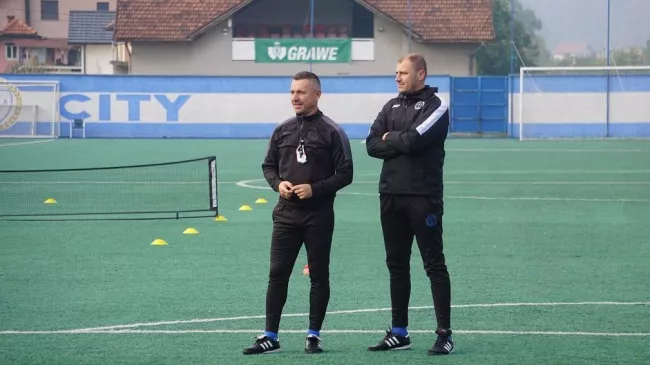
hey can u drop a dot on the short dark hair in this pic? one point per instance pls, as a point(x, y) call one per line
point(306, 75)
point(417, 60)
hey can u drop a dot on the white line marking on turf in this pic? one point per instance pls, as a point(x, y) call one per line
point(116, 182)
point(536, 172)
point(247, 184)
point(352, 311)
point(289, 331)
point(559, 150)
point(356, 182)
point(531, 182)
point(26, 143)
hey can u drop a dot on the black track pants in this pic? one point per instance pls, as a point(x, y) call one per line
point(402, 218)
point(291, 227)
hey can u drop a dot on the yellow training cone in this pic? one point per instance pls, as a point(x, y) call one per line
point(261, 201)
point(50, 201)
point(190, 231)
point(159, 242)
point(220, 218)
point(245, 207)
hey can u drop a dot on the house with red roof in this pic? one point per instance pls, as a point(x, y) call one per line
point(279, 37)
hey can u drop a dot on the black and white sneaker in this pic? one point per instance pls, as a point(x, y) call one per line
point(263, 345)
point(444, 344)
point(313, 345)
point(392, 342)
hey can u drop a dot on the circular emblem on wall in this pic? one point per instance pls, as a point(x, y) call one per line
point(10, 104)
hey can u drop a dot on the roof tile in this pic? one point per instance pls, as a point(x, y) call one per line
point(18, 27)
point(89, 27)
point(178, 20)
point(442, 20)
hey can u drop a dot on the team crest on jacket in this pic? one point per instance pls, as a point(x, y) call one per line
point(419, 105)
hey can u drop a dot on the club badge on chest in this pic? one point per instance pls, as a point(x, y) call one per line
point(301, 154)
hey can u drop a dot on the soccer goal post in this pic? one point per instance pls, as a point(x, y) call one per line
point(582, 102)
point(29, 109)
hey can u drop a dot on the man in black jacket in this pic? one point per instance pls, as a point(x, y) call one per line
point(308, 160)
point(409, 134)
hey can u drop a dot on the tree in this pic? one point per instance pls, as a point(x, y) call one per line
point(634, 56)
point(494, 58)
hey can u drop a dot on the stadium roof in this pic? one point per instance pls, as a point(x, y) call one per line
point(450, 21)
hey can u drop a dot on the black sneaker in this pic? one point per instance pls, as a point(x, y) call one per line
point(313, 345)
point(392, 342)
point(444, 344)
point(263, 345)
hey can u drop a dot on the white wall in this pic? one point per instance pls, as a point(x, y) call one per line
point(98, 59)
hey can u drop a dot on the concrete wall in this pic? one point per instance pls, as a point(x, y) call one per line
point(98, 59)
point(580, 106)
point(215, 107)
point(251, 107)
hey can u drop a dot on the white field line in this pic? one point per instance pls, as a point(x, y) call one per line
point(249, 184)
point(351, 311)
point(116, 182)
point(549, 150)
point(558, 150)
point(26, 143)
point(89, 182)
point(533, 172)
point(352, 331)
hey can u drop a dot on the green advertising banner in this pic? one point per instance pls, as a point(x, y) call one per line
point(292, 50)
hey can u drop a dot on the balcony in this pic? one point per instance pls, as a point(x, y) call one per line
point(44, 60)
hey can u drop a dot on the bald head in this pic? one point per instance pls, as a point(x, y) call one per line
point(416, 59)
point(411, 73)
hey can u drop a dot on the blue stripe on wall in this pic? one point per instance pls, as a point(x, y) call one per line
point(171, 130)
point(218, 84)
point(539, 83)
point(583, 130)
point(354, 131)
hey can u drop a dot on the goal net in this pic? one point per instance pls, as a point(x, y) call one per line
point(29, 109)
point(582, 102)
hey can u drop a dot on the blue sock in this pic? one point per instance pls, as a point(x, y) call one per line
point(313, 332)
point(400, 331)
point(271, 335)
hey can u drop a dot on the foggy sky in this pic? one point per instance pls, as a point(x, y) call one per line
point(585, 21)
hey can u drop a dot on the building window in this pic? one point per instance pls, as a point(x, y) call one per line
point(49, 9)
point(102, 6)
point(11, 51)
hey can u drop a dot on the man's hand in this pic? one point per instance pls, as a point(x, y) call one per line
point(303, 191)
point(286, 189)
point(383, 138)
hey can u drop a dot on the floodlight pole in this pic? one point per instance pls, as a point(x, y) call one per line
point(607, 96)
point(311, 26)
point(608, 28)
point(512, 36)
point(410, 20)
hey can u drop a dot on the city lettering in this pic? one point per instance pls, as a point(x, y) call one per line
point(132, 102)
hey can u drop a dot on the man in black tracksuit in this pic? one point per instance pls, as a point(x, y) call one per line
point(308, 160)
point(409, 134)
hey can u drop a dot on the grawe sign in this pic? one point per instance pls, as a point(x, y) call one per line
point(303, 50)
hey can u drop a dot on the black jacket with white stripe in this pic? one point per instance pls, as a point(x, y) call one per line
point(328, 167)
point(414, 150)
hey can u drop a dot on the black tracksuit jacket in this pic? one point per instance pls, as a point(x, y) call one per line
point(413, 152)
point(329, 165)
